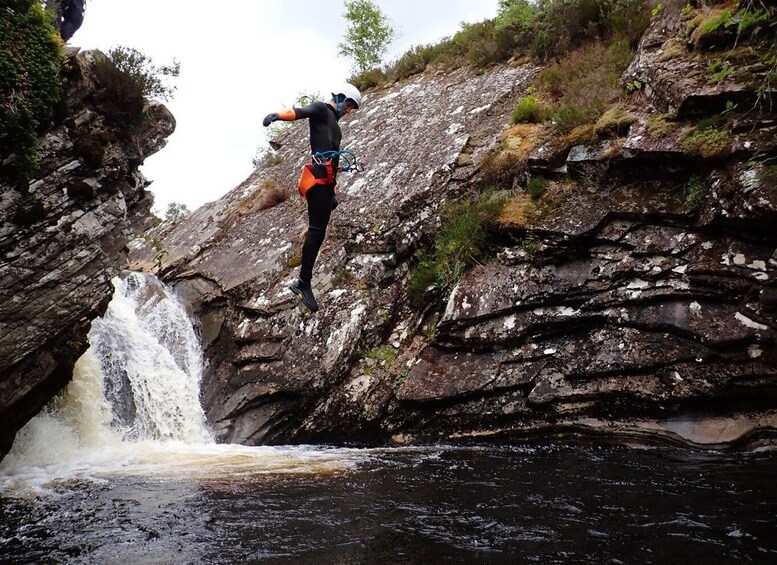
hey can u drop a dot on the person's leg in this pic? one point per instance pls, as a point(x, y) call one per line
point(319, 211)
point(73, 17)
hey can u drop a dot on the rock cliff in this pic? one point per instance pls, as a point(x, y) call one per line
point(65, 236)
point(636, 300)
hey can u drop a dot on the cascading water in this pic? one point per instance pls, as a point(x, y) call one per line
point(151, 364)
point(138, 381)
point(133, 406)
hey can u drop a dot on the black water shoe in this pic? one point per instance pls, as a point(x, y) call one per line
point(305, 293)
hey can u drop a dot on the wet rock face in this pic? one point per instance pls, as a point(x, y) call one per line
point(638, 301)
point(270, 363)
point(64, 237)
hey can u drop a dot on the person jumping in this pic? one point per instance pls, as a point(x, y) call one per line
point(317, 184)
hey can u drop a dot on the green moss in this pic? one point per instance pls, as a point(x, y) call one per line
point(707, 140)
point(30, 63)
point(659, 125)
point(672, 49)
point(616, 120)
point(695, 192)
point(386, 354)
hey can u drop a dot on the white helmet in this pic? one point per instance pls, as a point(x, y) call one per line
point(350, 92)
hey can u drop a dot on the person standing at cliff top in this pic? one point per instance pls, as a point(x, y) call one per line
point(317, 183)
point(69, 15)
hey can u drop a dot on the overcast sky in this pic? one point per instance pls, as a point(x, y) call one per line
point(240, 60)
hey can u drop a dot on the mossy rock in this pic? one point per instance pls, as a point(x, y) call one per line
point(615, 121)
point(672, 49)
point(707, 140)
point(715, 29)
point(30, 66)
point(581, 135)
point(660, 125)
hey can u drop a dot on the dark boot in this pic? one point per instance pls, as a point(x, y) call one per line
point(305, 292)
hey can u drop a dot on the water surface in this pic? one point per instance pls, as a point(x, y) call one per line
point(544, 504)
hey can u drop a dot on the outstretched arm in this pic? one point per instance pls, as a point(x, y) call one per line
point(292, 114)
point(285, 115)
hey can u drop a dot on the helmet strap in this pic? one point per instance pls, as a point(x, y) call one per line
point(340, 100)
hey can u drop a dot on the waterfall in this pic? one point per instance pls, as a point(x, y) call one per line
point(151, 363)
point(132, 409)
point(137, 383)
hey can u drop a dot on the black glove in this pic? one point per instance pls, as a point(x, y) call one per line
point(270, 118)
point(335, 202)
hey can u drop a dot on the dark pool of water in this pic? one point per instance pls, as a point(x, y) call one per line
point(435, 505)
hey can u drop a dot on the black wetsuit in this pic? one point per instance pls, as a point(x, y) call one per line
point(325, 135)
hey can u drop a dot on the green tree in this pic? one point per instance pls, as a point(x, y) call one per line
point(519, 14)
point(176, 211)
point(149, 77)
point(368, 35)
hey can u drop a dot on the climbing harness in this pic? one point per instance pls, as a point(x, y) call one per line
point(347, 162)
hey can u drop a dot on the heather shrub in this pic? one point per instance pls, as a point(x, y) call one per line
point(585, 83)
point(543, 29)
point(120, 97)
point(150, 78)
